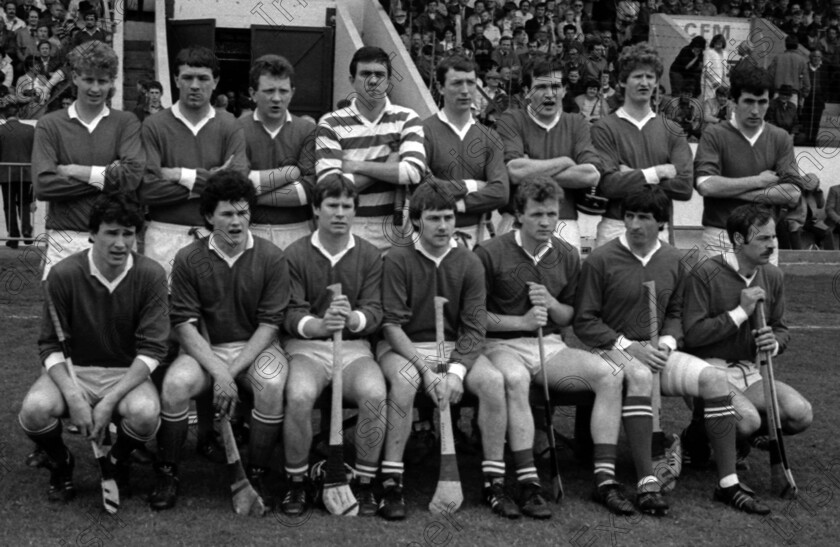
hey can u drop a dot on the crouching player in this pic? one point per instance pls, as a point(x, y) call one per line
point(531, 281)
point(234, 287)
point(332, 255)
point(719, 303)
point(112, 305)
point(412, 276)
point(612, 315)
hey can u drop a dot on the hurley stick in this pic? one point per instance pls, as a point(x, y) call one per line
point(556, 482)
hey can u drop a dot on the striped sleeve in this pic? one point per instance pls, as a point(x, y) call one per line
point(328, 154)
point(412, 150)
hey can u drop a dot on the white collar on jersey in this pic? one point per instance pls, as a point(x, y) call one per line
point(436, 259)
point(753, 140)
point(643, 259)
point(543, 249)
point(315, 239)
point(194, 129)
point(621, 113)
point(462, 133)
point(547, 127)
point(110, 285)
point(732, 261)
point(74, 115)
point(354, 111)
point(230, 260)
point(273, 134)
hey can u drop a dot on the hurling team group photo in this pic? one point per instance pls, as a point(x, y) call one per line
point(263, 289)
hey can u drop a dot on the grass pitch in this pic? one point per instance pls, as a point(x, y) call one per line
point(203, 515)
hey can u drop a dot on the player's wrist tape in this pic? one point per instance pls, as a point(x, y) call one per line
point(458, 370)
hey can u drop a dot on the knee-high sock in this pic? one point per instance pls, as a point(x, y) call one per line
point(171, 436)
point(721, 428)
point(638, 423)
point(493, 470)
point(265, 430)
point(128, 440)
point(49, 439)
point(526, 471)
point(603, 456)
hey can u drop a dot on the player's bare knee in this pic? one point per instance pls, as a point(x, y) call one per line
point(747, 418)
point(713, 382)
point(638, 378)
point(517, 383)
point(488, 385)
point(38, 410)
point(300, 397)
point(142, 413)
point(796, 416)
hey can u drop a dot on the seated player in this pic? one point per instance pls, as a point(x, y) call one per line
point(720, 301)
point(112, 306)
point(332, 255)
point(232, 288)
point(531, 281)
point(613, 317)
point(412, 276)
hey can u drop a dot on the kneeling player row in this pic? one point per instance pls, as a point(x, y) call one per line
point(248, 315)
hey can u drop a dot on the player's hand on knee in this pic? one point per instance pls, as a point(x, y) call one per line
point(439, 390)
point(536, 317)
point(102, 414)
point(81, 415)
point(750, 297)
point(654, 359)
point(455, 388)
point(765, 339)
point(225, 394)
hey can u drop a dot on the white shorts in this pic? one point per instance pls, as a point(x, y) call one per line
point(321, 351)
point(681, 375)
point(264, 367)
point(716, 241)
point(61, 244)
point(429, 351)
point(164, 240)
point(96, 382)
point(742, 374)
point(525, 350)
point(282, 235)
point(610, 228)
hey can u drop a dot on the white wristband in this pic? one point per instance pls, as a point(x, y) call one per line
point(458, 370)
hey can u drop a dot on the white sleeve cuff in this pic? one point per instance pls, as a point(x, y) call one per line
point(701, 180)
point(650, 175)
point(775, 350)
point(187, 179)
point(97, 176)
point(409, 174)
point(668, 341)
point(304, 320)
point(254, 177)
point(622, 343)
point(362, 322)
point(472, 185)
point(301, 192)
point(458, 370)
point(738, 316)
point(149, 362)
point(53, 359)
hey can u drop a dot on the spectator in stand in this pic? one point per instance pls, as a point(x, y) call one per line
point(830, 46)
point(26, 6)
point(475, 18)
point(546, 45)
point(520, 41)
point(746, 62)
point(783, 112)
point(791, 68)
point(687, 112)
point(706, 9)
point(540, 19)
point(574, 57)
point(687, 67)
point(571, 29)
point(16, 140)
point(715, 68)
point(628, 30)
point(7, 37)
point(581, 18)
point(13, 22)
point(507, 22)
point(152, 104)
point(432, 20)
point(26, 42)
point(574, 84)
point(491, 30)
point(32, 91)
point(672, 7)
point(608, 92)
point(90, 31)
point(532, 55)
point(491, 95)
point(50, 65)
point(482, 49)
point(596, 63)
point(524, 12)
point(796, 26)
point(814, 105)
point(6, 68)
point(747, 10)
point(718, 109)
point(448, 42)
point(503, 55)
point(592, 104)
